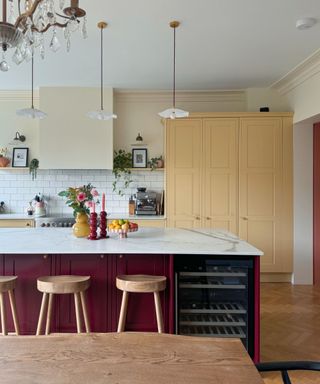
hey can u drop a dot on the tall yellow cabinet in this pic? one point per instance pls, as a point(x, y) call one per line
point(234, 171)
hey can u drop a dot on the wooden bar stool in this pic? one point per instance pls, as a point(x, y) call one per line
point(140, 284)
point(8, 284)
point(67, 284)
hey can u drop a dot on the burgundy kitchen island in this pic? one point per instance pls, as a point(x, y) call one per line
point(212, 288)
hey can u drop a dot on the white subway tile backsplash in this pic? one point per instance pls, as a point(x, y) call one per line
point(17, 187)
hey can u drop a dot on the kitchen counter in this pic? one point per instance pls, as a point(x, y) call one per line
point(145, 241)
point(16, 216)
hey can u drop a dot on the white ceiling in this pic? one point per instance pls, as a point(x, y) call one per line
point(221, 44)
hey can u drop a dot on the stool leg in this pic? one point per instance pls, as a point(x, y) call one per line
point(77, 307)
point(123, 312)
point(85, 312)
point(49, 312)
point(3, 315)
point(42, 312)
point(14, 311)
point(157, 303)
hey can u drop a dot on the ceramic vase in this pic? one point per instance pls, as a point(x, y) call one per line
point(81, 228)
point(4, 161)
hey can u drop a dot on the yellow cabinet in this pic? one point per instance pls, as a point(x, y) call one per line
point(220, 173)
point(16, 223)
point(234, 171)
point(265, 183)
point(184, 162)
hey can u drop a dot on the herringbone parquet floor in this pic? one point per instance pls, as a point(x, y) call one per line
point(290, 327)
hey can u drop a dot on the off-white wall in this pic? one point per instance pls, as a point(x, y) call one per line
point(68, 139)
point(138, 112)
point(303, 203)
point(10, 123)
point(304, 99)
point(266, 97)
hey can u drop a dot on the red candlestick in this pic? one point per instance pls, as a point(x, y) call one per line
point(93, 226)
point(103, 225)
point(93, 207)
point(103, 203)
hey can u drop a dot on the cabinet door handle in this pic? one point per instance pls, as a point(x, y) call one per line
point(244, 218)
point(101, 256)
point(208, 218)
point(45, 257)
point(120, 256)
point(197, 217)
point(28, 224)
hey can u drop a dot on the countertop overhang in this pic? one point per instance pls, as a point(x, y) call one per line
point(145, 241)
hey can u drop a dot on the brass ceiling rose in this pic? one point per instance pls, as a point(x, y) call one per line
point(102, 25)
point(174, 24)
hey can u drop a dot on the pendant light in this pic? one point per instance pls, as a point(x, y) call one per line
point(174, 112)
point(101, 114)
point(32, 112)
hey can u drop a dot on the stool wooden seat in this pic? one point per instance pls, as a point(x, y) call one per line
point(140, 284)
point(8, 284)
point(64, 284)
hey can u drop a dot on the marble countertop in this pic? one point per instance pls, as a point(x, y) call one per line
point(24, 216)
point(145, 241)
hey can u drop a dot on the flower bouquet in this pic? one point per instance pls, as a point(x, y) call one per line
point(81, 199)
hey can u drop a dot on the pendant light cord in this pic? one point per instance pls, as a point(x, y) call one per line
point(32, 69)
point(174, 68)
point(101, 85)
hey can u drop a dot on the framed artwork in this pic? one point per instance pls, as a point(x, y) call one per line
point(139, 158)
point(20, 157)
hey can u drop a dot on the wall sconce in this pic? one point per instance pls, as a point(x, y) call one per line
point(19, 137)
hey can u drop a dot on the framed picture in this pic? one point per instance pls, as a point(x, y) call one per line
point(20, 157)
point(139, 158)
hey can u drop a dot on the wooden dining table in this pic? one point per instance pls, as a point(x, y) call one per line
point(124, 358)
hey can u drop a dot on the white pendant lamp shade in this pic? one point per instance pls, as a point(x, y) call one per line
point(174, 113)
point(101, 114)
point(31, 113)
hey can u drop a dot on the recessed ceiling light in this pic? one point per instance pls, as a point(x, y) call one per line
point(305, 23)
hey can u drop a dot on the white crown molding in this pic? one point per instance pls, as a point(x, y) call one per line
point(298, 75)
point(146, 96)
point(11, 95)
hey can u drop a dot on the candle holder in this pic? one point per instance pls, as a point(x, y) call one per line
point(93, 226)
point(103, 225)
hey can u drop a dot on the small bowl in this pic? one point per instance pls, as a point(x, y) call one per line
point(123, 233)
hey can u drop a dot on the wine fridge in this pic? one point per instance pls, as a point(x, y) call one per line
point(214, 297)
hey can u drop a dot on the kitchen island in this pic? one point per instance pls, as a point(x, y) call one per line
point(225, 261)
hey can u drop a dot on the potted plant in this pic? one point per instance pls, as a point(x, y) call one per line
point(33, 168)
point(122, 162)
point(156, 162)
point(4, 161)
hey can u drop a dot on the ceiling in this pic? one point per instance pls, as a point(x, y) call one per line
point(227, 44)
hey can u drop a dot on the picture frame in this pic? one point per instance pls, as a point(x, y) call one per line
point(139, 158)
point(20, 157)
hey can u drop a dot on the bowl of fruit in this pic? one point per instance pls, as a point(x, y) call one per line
point(122, 227)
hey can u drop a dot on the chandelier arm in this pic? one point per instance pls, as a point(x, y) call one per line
point(65, 17)
point(4, 10)
point(60, 25)
point(27, 14)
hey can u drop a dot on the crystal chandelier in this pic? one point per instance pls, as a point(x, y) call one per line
point(24, 23)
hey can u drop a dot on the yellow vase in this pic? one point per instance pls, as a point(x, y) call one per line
point(81, 228)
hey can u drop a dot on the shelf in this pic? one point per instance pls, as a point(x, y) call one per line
point(13, 168)
point(146, 169)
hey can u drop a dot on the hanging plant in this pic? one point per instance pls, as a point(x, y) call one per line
point(33, 168)
point(122, 162)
